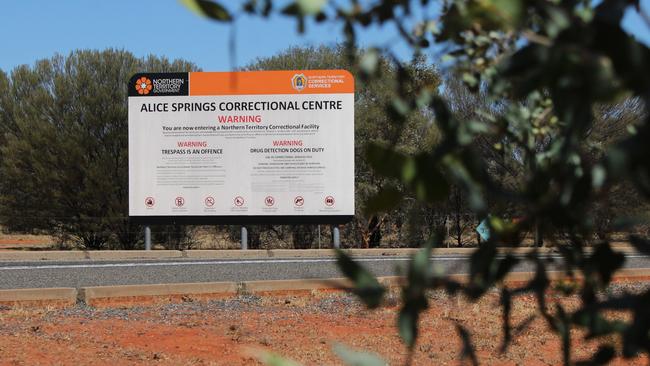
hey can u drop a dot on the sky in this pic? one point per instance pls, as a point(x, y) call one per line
point(31, 30)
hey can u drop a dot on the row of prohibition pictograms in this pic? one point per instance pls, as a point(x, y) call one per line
point(238, 201)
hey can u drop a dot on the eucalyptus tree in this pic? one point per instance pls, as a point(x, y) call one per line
point(64, 151)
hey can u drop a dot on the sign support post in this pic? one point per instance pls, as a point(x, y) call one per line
point(147, 237)
point(336, 237)
point(244, 238)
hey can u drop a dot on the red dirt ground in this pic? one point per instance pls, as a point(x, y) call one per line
point(23, 241)
point(302, 327)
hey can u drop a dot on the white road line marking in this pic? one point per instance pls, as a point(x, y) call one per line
point(248, 261)
point(191, 263)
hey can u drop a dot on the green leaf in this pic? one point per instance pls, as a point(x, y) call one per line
point(447, 58)
point(558, 20)
point(490, 15)
point(483, 267)
point(264, 9)
point(366, 285)
point(468, 348)
point(385, 200)
point(443, 114)
point(464, 170)
point(424, 98)
point(249, 6)
point(470, 80)
point(409, 171)
point(407, 323)
point(385, 160)
point(400, 106)
point(311, 7)
point(420, 266)
point(320, 17)
point(477, 127)
point(369, 62)
point(640, 244)
point(357, 358)
point(509, 12)
point(421, 174)
point(563, 327)
point(432, 27)
point(291, 9)
point(605, 262)
point(505, 266)
point(208, 9)
point(597, 324)
point(506, 303)
point(414, 294)
point(428, 184)
point(598, 176)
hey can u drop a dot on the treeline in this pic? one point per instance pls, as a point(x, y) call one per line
point(64, 154)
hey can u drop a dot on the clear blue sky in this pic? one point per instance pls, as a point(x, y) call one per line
point(36, 29)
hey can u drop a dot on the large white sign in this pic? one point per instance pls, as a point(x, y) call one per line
point(246, 144)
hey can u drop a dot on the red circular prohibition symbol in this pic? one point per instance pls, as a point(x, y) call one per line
point(239, 201)
point(298, 201)
point(149, 201)
point(269, 201)
point(329, 201)
point(179, 201)
point(209, 201)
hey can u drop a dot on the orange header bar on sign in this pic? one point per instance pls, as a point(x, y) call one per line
point(271, 82)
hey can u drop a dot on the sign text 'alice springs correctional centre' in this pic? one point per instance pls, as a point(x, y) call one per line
point(241, 147)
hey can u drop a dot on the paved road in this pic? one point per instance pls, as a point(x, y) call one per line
point(104, 273)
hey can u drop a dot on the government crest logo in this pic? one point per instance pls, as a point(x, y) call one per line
point(299, 82)
point(143, 85)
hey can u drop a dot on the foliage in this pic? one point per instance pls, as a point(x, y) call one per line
point(63, 157)
point(542, 69)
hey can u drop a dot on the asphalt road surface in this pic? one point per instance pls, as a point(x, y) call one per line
point(15, 275)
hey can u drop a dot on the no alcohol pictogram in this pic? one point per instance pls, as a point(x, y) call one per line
point(298, 201)
point(179, 201)
point(209, 201)
point(239, 201)
point(329, 201)
point(149, 202)
point(269, 201)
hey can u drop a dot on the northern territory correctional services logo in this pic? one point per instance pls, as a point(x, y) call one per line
point(143, 85)
point(299, 82)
